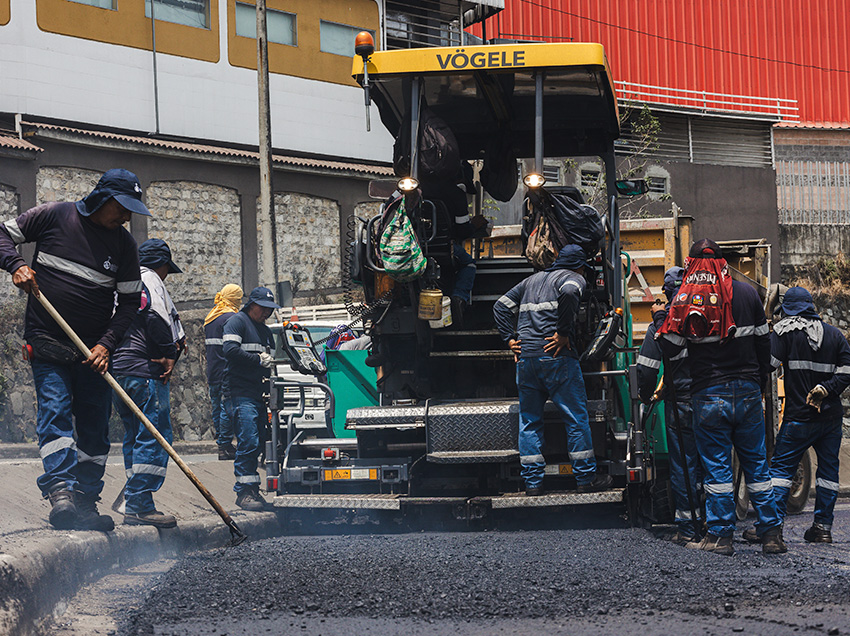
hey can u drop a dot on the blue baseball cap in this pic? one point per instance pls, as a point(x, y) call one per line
point(797, 301)
point(119, 184)
point(154, 253)
point(263, 297)
point(673, 279)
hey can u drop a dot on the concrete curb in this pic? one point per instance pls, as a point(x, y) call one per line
point(29, 450)
point(55, 564)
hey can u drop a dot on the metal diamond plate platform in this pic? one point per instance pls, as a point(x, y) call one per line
point(473, 426)
point(363, 502)
point(383, 416)
point(519, 500)
point(473, 457)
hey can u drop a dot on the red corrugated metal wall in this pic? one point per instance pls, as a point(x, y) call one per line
point(767, 48)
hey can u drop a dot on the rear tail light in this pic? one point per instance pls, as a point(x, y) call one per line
point(634, 474)
point(271, 484)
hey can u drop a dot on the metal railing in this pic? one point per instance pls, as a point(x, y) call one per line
point(813, 192)
point(708, 102)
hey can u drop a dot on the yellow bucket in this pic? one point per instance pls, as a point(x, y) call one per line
point(430, 304)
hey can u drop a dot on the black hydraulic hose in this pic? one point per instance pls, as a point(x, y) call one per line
point(668, 381)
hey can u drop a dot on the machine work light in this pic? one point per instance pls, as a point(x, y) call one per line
point(408, 184)
point(533, 180)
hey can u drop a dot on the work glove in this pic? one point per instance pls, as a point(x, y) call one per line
point(816, 396)
point(266, 360)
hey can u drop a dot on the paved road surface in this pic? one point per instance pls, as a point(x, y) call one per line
point(575, 581)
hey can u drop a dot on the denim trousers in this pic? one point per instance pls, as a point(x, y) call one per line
point(222, 421)
point(726, 416)
point(246, 422)
point(71, 398)
point(560, 380)
point(793, 440)
point(678, 466)
point(145, 460)
point(465, 270)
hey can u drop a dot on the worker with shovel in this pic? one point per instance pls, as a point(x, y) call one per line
point(83, 256)
point(142, 365)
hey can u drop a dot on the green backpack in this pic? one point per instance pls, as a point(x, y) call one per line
point(400, 252)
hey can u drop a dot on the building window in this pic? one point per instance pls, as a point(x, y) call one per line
point(657, 185)
point(193, 13)
point(590, 178)
point(339, 38)
point(280, 26)
point(103, 4)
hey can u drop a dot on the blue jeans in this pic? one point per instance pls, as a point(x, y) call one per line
point(730, 415)
point(145, 459)
point(71, 397)
point(684, 521)
point(560, 380)
point(246, 421)
point(464, 273)
point(793, 440)
point(221, 417)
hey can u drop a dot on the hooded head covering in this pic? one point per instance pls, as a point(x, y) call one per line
point(119, 184)
point(672, 281)
point(226, 301)
point(155, 253)
point(798, 302)
point(570, 257)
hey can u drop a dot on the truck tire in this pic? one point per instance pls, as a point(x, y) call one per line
point(801, 484)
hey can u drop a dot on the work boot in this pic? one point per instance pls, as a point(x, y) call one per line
point(713, 543)
point(599, 483)
point(88, 517)
point(458, 309)
point(63, 511)
point(818, 533)
point(249, 499)
point(772, 543)
point(153, 518)
point(226, 452)
point(681, 538)
point(751, 536)
point(534, 491)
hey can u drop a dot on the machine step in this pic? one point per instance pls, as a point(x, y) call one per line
point(473, 457)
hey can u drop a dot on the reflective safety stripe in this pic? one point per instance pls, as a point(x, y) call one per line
point(808, 365)
point(572, 283)
point(743, 332)
point(148, 469)
point(462, 219)
point(649, 362)
point(58, 444)
point(129, 287)
point(775, 362)
point(532, 459)
point(128, 472)
point(15, 231)
point(825, 483)
point(680, 356)
point(552, 304)
point(674, 338)
point(778, 482)
point(232, 337)
point(760, 486)
point(585, 454)
point(843, 370)
point(761, 330)
point(254, 347)
point(683, 515)
point(248, 479)
point(507, 302)
point(719, 489)
point(100, 460)
point(214, 341)
point(75, 269)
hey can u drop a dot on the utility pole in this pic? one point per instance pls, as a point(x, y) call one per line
point(268, 225)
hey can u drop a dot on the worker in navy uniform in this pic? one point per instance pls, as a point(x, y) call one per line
point(83, 256)
point(679, 372)
point(816, 360)
point(247, 349)
point(536, 319)
point(142, 365)
point(728, 375)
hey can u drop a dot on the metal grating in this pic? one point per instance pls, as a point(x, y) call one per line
point(813, 192)
point(424, 23)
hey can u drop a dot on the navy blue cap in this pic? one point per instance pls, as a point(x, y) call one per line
point(154, 253)
point(797, 301)
point(705, 248)
point(263, 297)
point(673, 279)
point(570, 257)
point(120, 184)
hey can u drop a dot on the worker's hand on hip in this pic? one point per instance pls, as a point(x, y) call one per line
point(24, 278)
point(816, 396)
point(98, 360)
point(168, 364)
point(516, 347)
point(556, 343)
point(266, 360)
